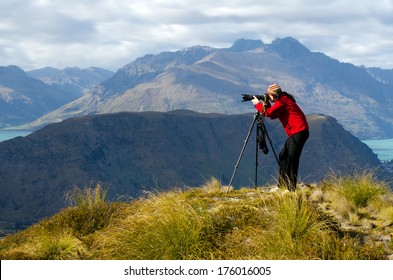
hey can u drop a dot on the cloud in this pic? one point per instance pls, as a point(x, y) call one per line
point(110, 34)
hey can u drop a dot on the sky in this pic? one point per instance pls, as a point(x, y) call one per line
point(112, 33)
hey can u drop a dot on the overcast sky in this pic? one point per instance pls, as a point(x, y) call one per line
point(112, 33)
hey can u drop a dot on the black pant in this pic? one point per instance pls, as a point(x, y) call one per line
point(289, 159)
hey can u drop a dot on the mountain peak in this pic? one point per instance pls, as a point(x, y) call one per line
point(246, 44)
point(12, 70)
point(289, 47)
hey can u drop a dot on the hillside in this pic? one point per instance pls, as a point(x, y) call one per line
point(343, 218)
point(134, 152)
point(211, 80)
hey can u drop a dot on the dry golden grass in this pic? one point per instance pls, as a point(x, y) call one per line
point(335, 220)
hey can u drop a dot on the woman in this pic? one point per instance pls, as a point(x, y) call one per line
point(295, 125)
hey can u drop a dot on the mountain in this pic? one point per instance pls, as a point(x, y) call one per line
point(26, 96)
point(206, 79)
point(23, 99)
point(130, 152)
point(73, 80)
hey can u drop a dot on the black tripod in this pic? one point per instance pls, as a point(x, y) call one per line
point(261, 136)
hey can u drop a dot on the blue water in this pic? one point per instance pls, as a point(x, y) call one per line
point(383, 148)
point(9, 134)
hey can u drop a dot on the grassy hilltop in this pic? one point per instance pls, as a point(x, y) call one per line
point(339, 218)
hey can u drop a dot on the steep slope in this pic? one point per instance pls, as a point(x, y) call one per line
point(133, 152)
point(205, 79)
point(381, 75)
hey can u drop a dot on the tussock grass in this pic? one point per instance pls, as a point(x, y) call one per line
point(355, 199)
point(362, 188)
point(297, 227)
point(91, 211)
point(63, 247)
point(67, 234)
point(294, 229)
point(164, 226)
point(212, 186)
point(386, 214)
point(39, 243)
point(88, 197)
point(316, 222)
point(359, 190)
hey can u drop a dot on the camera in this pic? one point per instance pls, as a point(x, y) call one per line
point(249, 97)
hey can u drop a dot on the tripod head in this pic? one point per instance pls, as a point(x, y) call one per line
point(260, 117)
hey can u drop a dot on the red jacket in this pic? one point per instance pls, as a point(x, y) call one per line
point(291, 116)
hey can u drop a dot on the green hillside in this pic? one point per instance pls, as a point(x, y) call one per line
point(339, 218)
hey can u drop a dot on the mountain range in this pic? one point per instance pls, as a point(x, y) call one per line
point(26, 96)
point(133, 152)
point(206, 79)
point(73, 80)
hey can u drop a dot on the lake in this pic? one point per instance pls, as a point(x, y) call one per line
point(383, 148)
point(9, 134)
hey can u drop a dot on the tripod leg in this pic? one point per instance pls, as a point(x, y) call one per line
point(242, 151)
point(256, 158)
point(271, 144)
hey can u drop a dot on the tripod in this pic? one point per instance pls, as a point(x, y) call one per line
point(261, 136)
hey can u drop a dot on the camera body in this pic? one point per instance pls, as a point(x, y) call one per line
point(249, 97)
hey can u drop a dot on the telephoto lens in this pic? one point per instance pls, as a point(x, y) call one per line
point(249, 97)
